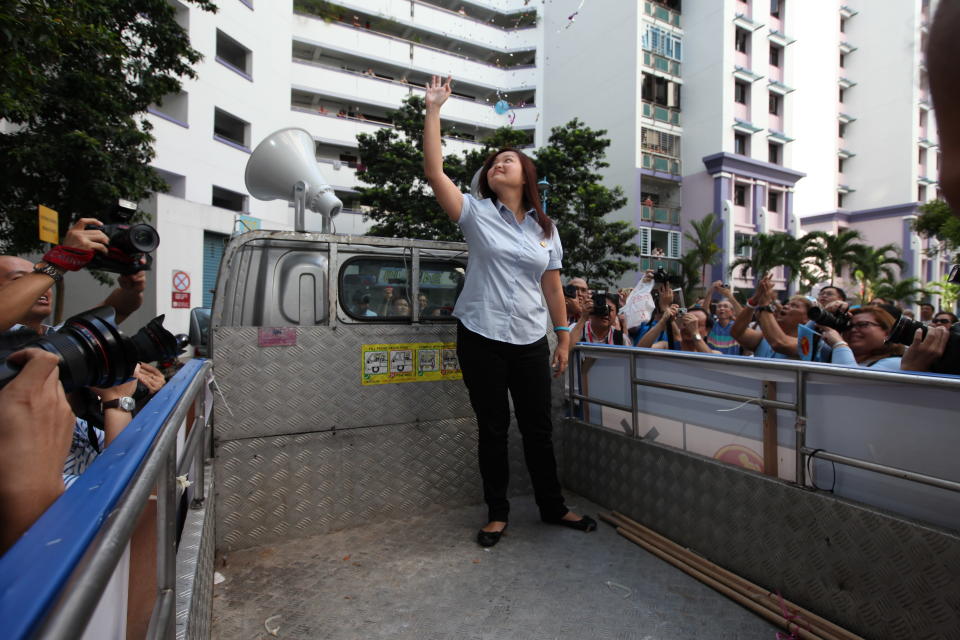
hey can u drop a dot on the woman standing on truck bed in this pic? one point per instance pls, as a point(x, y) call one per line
point(515, 259)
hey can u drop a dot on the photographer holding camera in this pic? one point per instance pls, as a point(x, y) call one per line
point(777, 337)
point(858, 337)
point(596, 323)
point(27, 288)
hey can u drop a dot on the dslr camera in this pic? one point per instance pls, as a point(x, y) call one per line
point(660, 276)
point(838, 321)
point(904, 330)
point(130, 244)
point(600, 304)
point(93, 352)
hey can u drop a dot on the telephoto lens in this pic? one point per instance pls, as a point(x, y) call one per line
point(904, 330)
point(94, 353)
point(840, 322)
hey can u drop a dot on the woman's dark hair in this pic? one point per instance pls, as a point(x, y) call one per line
point(531, 195)
point(843, 294)
point(953, 316)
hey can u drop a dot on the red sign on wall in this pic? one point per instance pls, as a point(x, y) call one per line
point(180, 300)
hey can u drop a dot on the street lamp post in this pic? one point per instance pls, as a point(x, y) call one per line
point(544, 188)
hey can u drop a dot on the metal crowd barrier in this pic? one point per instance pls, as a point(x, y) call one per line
point(801, 371)
point(52, 579)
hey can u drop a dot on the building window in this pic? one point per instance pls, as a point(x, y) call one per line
point(741, 92)
point(776, 7)
point(230, 128)
point(226, 199)
point(921, 156)
point(740, 195)
point(843, 60)
point(842, 129)
point(841, 95)
point(840, 164)
point(840, 200)
point(174, 107)
point(773, 201)
point(741, 144)
point(742, 40)
point(921, 193)
point(774, 153)
point(843, 24)
point(776, 101)
point(662, 42)
point(923, 119)
point(741, 245)
point(775, 53)
point(233, 54)
point(378, 289)
point(657, 90)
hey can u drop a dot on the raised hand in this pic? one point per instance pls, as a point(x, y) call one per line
point(79, 237)
point(437, 92)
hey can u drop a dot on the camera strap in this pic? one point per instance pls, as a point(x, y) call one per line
point(68, 258)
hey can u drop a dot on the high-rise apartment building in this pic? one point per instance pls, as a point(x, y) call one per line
point(334, 68)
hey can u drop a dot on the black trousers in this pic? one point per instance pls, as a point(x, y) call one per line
point(491, 369)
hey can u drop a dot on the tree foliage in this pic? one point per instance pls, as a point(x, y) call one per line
point(401, 203)
point(948, 292)
point(834, 253)
point(899, 291)
point(75, 80)
point(705, 250)
point(937, 220)
point(873, 265)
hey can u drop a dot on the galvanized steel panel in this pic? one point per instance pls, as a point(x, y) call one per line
point(194, 606)
point(315, 385)
point(284, 487)
point(878, 575)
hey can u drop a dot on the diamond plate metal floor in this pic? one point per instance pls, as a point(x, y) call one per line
point(428, 579)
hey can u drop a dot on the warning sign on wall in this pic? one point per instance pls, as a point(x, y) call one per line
point(408, 362)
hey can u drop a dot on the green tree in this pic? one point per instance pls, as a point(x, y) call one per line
point(937, 220)
point(899, 291)
point(763, 252)
point(690, 266)
point(873, 265)
point(834, 253)
point(594, 248)
point(76, 79)
point(704, 245)
point(948, 292)
point(402, 204)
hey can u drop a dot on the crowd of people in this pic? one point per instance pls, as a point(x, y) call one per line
point(762, 327)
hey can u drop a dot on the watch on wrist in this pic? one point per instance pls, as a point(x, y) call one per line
point(124, 403)
point(49, 270)
point(697, 337)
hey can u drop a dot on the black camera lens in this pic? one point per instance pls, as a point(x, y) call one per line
point(143, 238)
point(94, 353)
point(904, 329)
point(840, 322)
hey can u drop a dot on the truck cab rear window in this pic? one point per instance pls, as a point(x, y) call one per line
point(377, 289)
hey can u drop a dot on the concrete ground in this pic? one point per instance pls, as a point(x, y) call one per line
point(427, 579)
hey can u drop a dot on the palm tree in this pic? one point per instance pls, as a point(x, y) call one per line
point(836, 251)
point(766, 251)
point(690, 272)
point(947, 291)
point(873, 265)
point(800, 256)
point(704, 248)
point(903, 291)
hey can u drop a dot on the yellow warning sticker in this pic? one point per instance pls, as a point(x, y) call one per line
point(409, 362)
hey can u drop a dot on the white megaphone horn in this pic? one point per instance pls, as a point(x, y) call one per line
point(284, 166)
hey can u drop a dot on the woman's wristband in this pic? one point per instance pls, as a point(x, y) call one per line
point(840, 344)
point(561, 328)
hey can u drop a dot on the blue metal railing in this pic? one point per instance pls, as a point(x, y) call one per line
point(34, 572)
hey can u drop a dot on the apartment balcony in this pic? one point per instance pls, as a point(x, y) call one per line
point(343, 132)
point(778, 87)
point(668, 115)
point(668, 265)
point(663, 215)
point(354, 88)
point(778, 37)
point(926, 143)
point(744, 21)
point(661, 163)
point(662, 13)
point(847, 12)
point(846, 47)
point(341, 175)
point(660, 63)
point(336, 36)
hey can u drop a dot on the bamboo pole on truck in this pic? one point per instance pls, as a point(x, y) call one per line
point(734, 595)
point(764, 597)
point(771, 600)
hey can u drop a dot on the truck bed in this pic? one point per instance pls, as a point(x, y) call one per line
point(426, 578)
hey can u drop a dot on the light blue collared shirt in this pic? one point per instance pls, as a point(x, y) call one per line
point(501, 298)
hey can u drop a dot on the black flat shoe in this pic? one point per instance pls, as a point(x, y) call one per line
point(490, 538)
point(585, 523)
